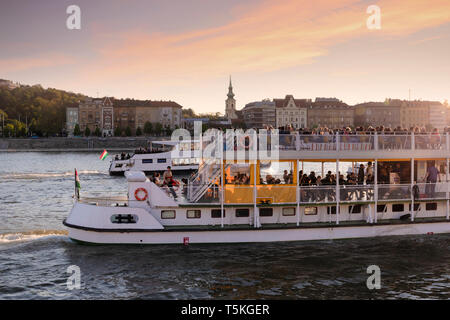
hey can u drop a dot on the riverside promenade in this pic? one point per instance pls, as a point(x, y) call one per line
point(76, 144)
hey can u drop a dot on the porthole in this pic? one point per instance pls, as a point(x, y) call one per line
point(124, 218)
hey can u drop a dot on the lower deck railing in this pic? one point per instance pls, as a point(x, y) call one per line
point(279, 194)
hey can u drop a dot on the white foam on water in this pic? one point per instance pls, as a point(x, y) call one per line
point(7, 238)
point(25, 175)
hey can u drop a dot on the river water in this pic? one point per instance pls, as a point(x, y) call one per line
point(36, 195)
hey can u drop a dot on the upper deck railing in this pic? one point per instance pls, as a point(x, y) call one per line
point(345, 142)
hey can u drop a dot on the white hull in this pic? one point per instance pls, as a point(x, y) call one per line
point(180, 161)
point(113, 222)
point(258, 235)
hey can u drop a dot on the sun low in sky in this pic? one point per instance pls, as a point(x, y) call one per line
point(185, 50)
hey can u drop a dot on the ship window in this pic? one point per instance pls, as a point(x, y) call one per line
point(431, 206)
point(241, 213)
point(381, 207)
point(168, 214)
point(331, 210)
point(277, 172)
point(399, 207)
point(265, 212)
point(238, 173)
point(310, 211)
point(288, 211)
point(216, 213)
point(193, 214)
point(161, 160)
point(124, 218)
point(354, 209)
point(416, 206)
point(147, 160)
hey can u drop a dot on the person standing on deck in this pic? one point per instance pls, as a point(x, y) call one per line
point(431, 179)
point(369, 169)
point(168, 179)
point(361, 176)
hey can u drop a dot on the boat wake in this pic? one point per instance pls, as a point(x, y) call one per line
point(7, 238)
point(33, 176)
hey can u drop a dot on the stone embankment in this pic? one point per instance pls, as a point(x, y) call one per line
point(76, 144)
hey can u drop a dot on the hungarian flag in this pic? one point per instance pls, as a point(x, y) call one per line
point(104, 155)
point(77, 184)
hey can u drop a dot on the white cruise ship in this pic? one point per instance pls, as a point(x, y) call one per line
point(401, 188)
point(183, 157)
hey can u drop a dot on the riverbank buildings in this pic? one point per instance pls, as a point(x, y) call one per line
point(111, 115)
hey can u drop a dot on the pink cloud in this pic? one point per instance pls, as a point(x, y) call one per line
point(271, 36)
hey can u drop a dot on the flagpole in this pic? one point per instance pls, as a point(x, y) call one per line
point(75, 183)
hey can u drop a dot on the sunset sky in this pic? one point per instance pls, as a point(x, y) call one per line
point(185, 50)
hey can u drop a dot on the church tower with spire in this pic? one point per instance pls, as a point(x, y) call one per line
point(230, 103)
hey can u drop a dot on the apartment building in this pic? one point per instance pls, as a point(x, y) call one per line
point(330, 113)
point(290, 111)
point(377, 113)
point(260, 114)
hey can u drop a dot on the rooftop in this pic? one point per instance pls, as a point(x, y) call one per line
point(145, 103)
point(300, 103)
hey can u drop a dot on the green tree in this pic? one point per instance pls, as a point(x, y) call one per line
point(19, 128)
point(45, 109)
point(97, 132)
point(87, 132)
point(3, 116)
point(138, 131)
point(117, 132)
point(76, 130)
point(15, 128)
point(158, 129)
point(148, 128)
point(128, 131)
point(168, 131)
point(9, 130)
point(188, 113)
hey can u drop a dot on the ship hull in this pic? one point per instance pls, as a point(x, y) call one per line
point(251, 235)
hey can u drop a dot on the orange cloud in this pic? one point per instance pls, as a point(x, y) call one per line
point(27, 63)
point(274, 35)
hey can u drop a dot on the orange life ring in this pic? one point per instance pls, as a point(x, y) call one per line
point(139, 198)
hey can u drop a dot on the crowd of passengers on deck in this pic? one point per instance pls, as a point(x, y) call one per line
point(388, 138)
point(436, 138)
point(314, 187)
point(360, 130)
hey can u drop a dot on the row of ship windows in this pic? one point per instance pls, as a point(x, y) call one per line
point(151, 160)
point(398, 207)
point(268, 212)
point(216, 213)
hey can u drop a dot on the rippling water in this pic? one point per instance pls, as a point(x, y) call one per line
point(35, 196)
